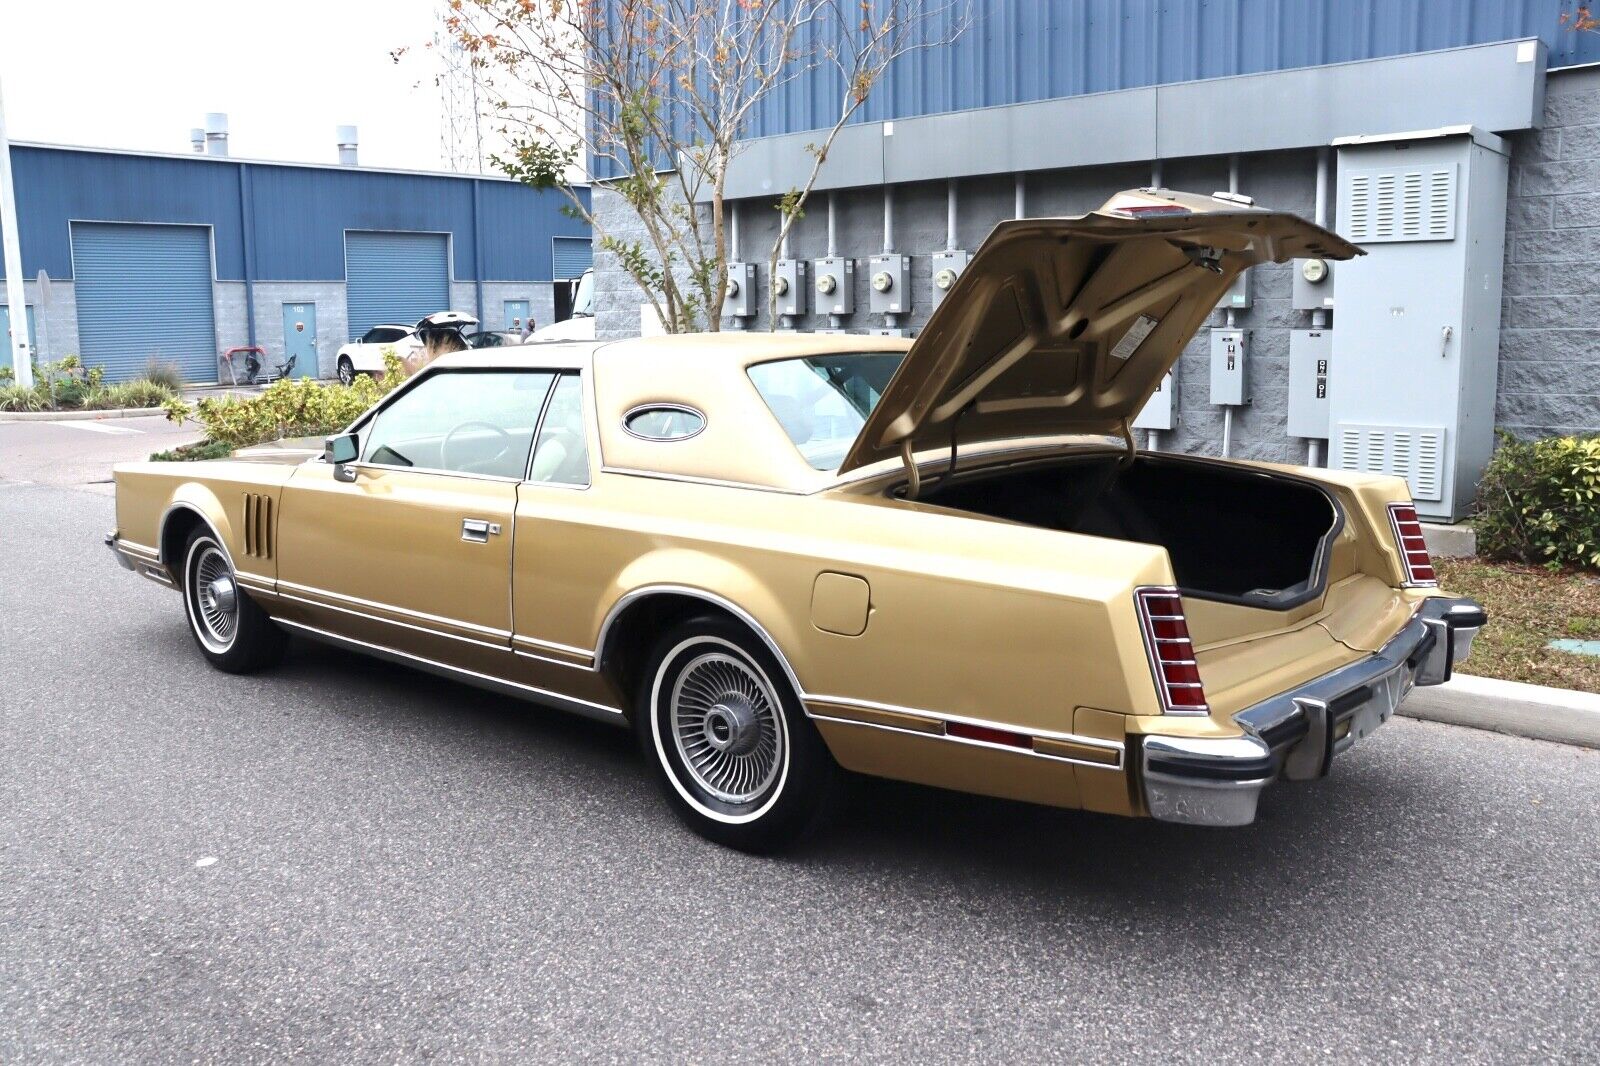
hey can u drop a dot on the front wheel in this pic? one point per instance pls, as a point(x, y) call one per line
point(728, 740)
point(233, 632)
point(347, 371)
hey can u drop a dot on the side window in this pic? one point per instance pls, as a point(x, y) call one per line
point(663, 422)
point(463, 421)
point(372, 336)
point(562, 452)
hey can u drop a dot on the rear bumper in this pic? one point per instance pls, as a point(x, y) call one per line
point(1296, 734)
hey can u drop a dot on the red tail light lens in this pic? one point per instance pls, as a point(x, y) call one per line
point(1171, 652)
point(1413, 548)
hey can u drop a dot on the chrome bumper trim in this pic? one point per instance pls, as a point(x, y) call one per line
point(1296, 734)
point(139, 559)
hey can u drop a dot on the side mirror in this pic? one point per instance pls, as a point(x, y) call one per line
point(341, 451)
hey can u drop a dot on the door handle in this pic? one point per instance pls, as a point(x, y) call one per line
point(478, 531)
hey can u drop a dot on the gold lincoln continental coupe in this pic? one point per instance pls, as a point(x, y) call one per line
point(775, 555)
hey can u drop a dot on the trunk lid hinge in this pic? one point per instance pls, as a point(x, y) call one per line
point(1133, 449)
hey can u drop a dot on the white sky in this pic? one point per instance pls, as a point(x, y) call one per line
point(123, 75)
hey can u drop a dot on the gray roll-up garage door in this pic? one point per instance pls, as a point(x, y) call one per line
point(143, 293)
point(395, 278)
point(571, 256)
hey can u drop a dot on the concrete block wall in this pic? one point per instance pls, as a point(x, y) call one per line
point(55, 319)
point(332, 324)
point(1550, 318)
point(539, 294)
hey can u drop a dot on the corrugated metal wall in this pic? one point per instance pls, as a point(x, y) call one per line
point(1015, 51)
point(395, 278)
point(300, 213)
point(571, 256)
point(143, 293)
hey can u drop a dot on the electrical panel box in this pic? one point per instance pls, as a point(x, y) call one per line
point(889, 281)
point(1418, 340)
point(789, 281)
point(1310, 353)
point(740, 301)
point(835, 285)
point(830, 331)
point(1313, 285)
point(1161, 410)
point(889, 332)
point(947, 267)
point(1239, 294)
point(1230, 376)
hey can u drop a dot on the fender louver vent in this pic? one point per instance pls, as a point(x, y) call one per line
point(1412, 452)
point(1401, 204)
point(258, 525)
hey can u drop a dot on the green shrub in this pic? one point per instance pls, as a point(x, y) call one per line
point(17, 398)
point(164, 373)
point(289, 407)
point(206, 449)
point(140, 392)
point(1539, 502)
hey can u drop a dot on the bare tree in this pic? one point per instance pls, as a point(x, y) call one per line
point(654, 98)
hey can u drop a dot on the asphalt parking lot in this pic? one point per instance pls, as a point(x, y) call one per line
point(346, 861)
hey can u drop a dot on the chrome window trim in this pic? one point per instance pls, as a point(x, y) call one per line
point(633, 471)
point(682, 408)
point(571, 704)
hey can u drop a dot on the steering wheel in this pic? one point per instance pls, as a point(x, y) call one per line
point(444, 446)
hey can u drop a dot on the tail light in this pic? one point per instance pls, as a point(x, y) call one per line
point(1414, 557)
point(1171, 652)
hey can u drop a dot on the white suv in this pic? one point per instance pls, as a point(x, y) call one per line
point(365, 356)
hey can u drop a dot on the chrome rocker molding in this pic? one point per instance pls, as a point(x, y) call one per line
point(1296, 734)
point(139, 559)
point(597, 711)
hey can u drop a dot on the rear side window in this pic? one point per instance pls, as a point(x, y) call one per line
point(561, 454)
point(664, 422)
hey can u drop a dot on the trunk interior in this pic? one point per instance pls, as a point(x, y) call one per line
point(1233, 534)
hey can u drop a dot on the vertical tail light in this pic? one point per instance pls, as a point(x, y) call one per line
point(1414, 558)
point(1171, 652)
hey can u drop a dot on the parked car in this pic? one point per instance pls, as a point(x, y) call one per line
point(580, 327)
point(492, 338)
point(365, 356)
point(775, 555)
point(442, 330)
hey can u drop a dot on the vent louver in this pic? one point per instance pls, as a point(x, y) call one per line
point(1415, 453)
point(1402, 204)
point(257, 525)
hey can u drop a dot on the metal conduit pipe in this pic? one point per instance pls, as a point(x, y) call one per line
point(834, 321)
point(1152, 439)
point(1319, 317)
point(950, 215)
point(1020, 196)
point(1227, 412)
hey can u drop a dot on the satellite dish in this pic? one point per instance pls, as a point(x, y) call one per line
point(44, 288)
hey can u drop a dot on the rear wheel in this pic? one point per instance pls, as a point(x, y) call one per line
point(233, 632)
point(728, 740)
point(347, 371)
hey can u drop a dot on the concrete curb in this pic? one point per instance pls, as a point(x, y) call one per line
point(1555, 714)
point(79, 416)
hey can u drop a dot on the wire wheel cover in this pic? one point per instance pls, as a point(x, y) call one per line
point(725, 724)
point(216, 597)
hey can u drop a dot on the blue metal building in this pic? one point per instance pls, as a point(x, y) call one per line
point(131, 257)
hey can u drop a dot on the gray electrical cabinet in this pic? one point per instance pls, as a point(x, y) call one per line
point(946, 268)
point(790, 283)
point(1310, 354)
point(1230, 375)
point(740, 301)
point(889, 332)
point(1161, 410)
point(1238, 296)
point(889, 284)
point(1313, 285)
point(835, 284)
point(1417, 347)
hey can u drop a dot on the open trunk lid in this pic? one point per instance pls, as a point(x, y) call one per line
point(1066, 325)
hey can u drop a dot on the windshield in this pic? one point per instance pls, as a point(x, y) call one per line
point(583, 297)
point(822, 401)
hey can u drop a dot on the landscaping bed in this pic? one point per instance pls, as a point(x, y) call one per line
point(66, 385)
point(1529, 606)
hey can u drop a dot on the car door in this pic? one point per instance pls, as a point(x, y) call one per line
point(414, 552)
